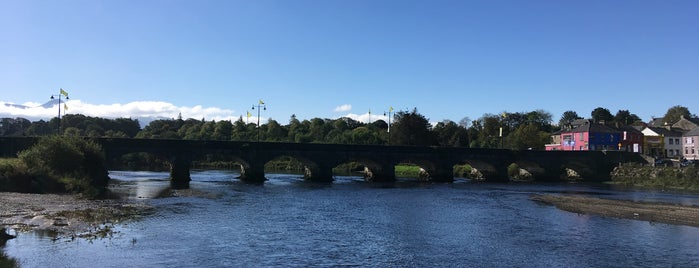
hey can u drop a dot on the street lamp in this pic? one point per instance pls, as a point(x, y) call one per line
point(259, 104)
point(390, 110)
point(61, 93)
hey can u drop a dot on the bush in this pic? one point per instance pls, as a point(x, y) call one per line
point(63, 163)
point(14, 176)
point(656, 177)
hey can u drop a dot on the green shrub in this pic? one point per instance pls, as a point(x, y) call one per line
point(656, 177)
point(63, 163)
point(407, 171)
point(14, 176)
point(513, 171)
point(462, 171)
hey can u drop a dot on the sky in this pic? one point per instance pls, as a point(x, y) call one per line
point(331, 58)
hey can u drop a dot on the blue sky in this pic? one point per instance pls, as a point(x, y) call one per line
point(448, 59)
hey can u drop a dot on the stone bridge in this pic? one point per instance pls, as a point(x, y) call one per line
point(379, 160)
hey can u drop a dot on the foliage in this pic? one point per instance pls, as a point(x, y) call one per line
point(675, 113)
point(600, 114)
point(633, 174)
point(67, 163)
point(411, 128)
point(407, 171)
point(14, 176)
point(568, 118)
point(625, 118)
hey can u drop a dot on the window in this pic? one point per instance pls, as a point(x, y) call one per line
point(677, 152)
point(581, 137)
point(677, 141)
point(670, 141)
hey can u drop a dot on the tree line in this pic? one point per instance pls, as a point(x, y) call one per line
point(512, 130)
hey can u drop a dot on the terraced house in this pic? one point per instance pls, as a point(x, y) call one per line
point(690, 143)
point(587, 136)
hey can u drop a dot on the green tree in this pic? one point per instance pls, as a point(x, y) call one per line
point(412, 128)
point(450, 134)
point(600, 114)
point(625, 118)
point(527, 137)
point(568, 118)
point(675, 113)
point(223, 130)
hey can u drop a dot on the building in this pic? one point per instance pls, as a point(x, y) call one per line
point(587, 137)
point(690, 143)
point(631, 139)
point(662, 142)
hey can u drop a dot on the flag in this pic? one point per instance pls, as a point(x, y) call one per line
point(64, 93)
point(249, 115)
point(261, 102)
point(504, 114)
point(65, 107)
point(390, 109)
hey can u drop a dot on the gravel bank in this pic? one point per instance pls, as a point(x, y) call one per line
point(645, 211)
point(66, 215)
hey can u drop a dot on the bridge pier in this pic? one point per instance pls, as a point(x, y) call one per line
point(179, 171)
point(442, 174)
point(379, 174)
point(252, 173)
point(318, 174)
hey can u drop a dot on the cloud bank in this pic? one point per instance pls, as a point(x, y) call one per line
point(144, 111)
point(136, 109)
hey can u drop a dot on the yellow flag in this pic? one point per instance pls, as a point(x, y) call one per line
point(390, 109)
point(64, 93)
point(65, 107)
point(249, 115)
point(261, 102)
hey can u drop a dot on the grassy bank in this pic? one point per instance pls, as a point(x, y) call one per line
point(663, 178)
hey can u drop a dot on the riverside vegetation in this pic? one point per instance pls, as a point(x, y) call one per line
point(57, 164)
point(664, 178)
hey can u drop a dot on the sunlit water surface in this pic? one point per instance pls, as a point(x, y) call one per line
point(286, 221)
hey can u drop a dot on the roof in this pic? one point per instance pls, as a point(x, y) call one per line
point(665, 132)
point(693, 132)
point(657, 122)
point(686, 124)
point(595, 128)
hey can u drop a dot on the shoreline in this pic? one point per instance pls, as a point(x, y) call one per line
point(667, 213)
point(66, 216)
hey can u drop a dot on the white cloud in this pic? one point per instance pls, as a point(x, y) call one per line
point(136, 109)
point(343, 108)
point(366, 117)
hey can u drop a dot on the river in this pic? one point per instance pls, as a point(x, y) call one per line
point(222, 222)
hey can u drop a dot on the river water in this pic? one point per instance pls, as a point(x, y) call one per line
point(222, 222)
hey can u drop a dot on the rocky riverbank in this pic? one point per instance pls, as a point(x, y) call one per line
point(624, 209)
point(66, 216)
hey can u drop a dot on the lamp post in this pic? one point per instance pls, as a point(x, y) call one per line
point(390, 110)
point(61, 93)
point(263, 106)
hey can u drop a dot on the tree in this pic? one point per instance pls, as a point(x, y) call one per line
point(450, 134)
point(526, 137)
point(625, 118)
point(223, 130)
point(675, 113)
point(600, 114)
point(411, 128)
